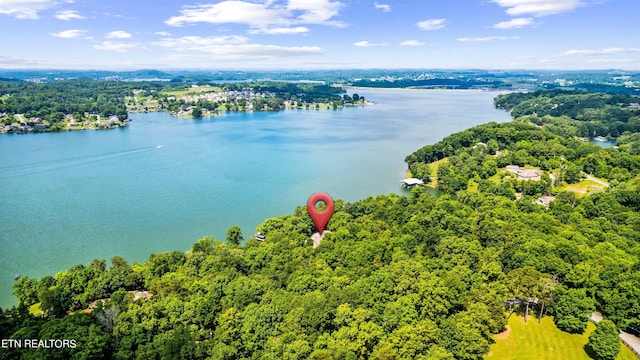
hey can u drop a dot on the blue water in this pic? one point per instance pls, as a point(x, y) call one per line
point(164, 182)
point(604, 144)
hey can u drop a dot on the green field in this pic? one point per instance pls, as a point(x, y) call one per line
point(434, 171)
point(192, 91)
point(583, 187)
point(543, 341)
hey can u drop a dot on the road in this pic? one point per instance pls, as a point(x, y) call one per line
point(597, 181)
point(631, 341)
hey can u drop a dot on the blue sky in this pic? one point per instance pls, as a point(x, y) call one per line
point(320, 34)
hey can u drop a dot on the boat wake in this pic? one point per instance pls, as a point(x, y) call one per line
point(50, 165)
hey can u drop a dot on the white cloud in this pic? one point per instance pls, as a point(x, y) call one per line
point(119, 34)
point(230, 12)
point(606, 51)
point(233, 47)
point(412, 43)
point(163, 33)
point(188, 43)
point(365, 43)
point(119, 46)
point(24, 9)
point(612, 62)
point(538, 7)
point(431, 24)
point(68, 15)
point(487, 38)
point(69, 34)
point(280, 30)
point(514, 23)
point(383, 7)
point(261, 17)
point(316, 11)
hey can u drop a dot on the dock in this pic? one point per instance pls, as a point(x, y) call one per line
point(411, 182)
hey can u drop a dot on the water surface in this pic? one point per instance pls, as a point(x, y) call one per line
point(164, 182)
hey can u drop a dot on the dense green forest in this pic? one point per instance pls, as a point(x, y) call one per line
point(597, 114)
point(397, 277)
point(51, 101)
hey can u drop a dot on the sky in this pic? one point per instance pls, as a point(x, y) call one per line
point(320, 34)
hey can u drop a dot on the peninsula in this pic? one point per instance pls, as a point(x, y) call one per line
point(81, 104)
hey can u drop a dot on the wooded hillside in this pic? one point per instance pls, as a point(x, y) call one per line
point(398, 277)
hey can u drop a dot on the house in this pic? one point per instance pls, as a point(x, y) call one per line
point(524, 174)
point(519, 301)
point(545, 200)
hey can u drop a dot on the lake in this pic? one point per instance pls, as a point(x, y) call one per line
point(164, 182)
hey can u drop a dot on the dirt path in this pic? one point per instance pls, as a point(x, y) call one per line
point(597, 181)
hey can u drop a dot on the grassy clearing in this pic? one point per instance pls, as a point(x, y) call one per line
point(499, 175)
point(583, 187)
point(434, 171)
point(192, 91)
point(533, 341)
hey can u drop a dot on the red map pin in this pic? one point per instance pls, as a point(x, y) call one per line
point(320, 218)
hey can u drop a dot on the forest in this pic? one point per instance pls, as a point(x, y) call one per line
point(397, 277)
point(51, 101)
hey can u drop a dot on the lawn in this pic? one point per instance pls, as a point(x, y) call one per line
point(583, 187)
point(434, 171)
point(498, 175)
point(543, 341)
point(192, 91)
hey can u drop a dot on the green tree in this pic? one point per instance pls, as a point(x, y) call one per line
point(492, 146)
point(571, 174)
point(572, 309)
point(604, 342)
point(420, 170)
point(26, 291)
point(234, 235)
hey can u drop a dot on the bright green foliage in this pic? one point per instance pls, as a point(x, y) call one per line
point(572, 309)
point(234, 235)
point(420, 170)
point(605, 341)
point(398, 277)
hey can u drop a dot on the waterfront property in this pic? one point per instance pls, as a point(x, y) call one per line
point(120, 192)
point(411, 182)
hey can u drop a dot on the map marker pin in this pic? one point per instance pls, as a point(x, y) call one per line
point(320, 218)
